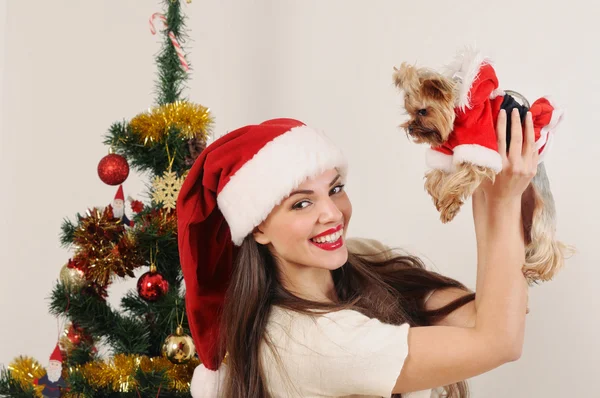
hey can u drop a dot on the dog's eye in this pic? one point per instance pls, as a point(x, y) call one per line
point(422, 112)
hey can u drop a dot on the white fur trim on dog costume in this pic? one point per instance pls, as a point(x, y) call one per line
point(464, 68)
point(479, 155)
point(207, 383)
point(256, 188)
point(439, 161)
point(547, 132)
point(497, 92)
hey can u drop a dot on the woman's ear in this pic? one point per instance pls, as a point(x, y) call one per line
point(260, 237)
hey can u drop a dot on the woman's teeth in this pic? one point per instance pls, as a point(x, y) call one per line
point(328, 238)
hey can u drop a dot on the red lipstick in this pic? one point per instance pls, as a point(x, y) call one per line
point(329, 231)
point(330, 246)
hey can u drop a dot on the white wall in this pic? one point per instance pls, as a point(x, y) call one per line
point(72, 68)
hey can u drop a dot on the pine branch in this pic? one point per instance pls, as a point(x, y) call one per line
point(80, 355)
point(80, 387)
point(124, 334)
point(171, 75)
point(11, 388)
point(160, 315)
point(67, 232)
point(167, 259)
point(150, 156)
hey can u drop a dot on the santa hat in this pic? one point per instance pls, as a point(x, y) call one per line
point(56, 355)
point(231, 188)
point(119, 194)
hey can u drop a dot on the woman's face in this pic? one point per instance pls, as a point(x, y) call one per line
point(308, 228)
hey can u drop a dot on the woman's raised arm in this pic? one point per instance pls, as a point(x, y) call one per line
point(441, 355)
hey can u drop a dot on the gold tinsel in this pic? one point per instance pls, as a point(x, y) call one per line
point(104, 248)
point(25, 370)
point(119, 372)
point(193, 121)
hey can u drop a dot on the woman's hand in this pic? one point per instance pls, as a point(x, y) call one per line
point(519, 165)
point(498, 199)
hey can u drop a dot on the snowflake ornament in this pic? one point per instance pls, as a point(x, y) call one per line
point(166, 188)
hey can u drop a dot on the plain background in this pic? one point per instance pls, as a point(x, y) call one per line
point(71, 68)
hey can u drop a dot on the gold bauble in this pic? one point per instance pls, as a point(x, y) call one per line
point(72, 278)
point(178, 347)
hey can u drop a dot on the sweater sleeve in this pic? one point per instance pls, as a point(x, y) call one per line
point(354, 354)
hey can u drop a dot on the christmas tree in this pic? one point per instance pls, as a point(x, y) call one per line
point(150, 351)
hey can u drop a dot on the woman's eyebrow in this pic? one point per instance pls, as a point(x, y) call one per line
point(309, 192)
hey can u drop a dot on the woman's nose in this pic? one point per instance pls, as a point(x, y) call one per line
point(330, 212)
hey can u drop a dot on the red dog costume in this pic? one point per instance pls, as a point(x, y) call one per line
point(477, 107)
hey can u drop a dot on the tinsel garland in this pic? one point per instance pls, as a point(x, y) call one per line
point(192, 121)
point(104, 247)
point(26, 370)
point(161, 222)
point(118, 373)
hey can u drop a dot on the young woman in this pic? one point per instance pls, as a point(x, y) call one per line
point(281, 304)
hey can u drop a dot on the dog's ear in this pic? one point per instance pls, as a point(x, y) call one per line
point(406, 78)
point(440, 89)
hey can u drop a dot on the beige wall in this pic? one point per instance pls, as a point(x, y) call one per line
point(72, 68)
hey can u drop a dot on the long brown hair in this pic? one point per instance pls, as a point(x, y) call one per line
point(391, 289)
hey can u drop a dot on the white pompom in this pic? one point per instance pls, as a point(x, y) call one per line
point(207, 383)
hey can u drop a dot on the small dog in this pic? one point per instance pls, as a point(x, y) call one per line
point(455, 112)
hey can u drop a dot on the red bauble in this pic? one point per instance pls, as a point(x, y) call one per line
point(151, 286)
point(113, 169)
point(77, 334)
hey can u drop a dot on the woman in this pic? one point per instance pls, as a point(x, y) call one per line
point(272, 282)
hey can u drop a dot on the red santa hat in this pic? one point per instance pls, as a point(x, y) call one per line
point(119, 194)
point(56, 355)
point(231, 188)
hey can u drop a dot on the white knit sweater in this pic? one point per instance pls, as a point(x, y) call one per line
point(340, 354)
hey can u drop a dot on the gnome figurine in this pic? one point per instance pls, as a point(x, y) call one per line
point(52, 380)
point(118, 207)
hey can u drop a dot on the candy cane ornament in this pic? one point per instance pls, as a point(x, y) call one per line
point(174, 41)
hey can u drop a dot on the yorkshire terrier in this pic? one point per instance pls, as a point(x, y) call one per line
point(455, 112)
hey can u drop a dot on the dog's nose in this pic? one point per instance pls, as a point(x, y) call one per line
point(410, 128)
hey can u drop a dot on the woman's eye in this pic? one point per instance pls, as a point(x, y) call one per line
point(305, 203)
point(300, 205)
point(337, 189)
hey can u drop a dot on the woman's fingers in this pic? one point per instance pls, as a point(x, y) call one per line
point(516, 137)
point(501, 134)
point(530, 152)
point(529, 144)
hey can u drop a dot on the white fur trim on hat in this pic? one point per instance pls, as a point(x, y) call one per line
point(208, 383)
point(269, 177)
point(479, 155)
point(464, 68)
point(438, 160)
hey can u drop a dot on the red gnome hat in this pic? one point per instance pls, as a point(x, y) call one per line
point(56, 355)
point(119, 194)
point(231, 188)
